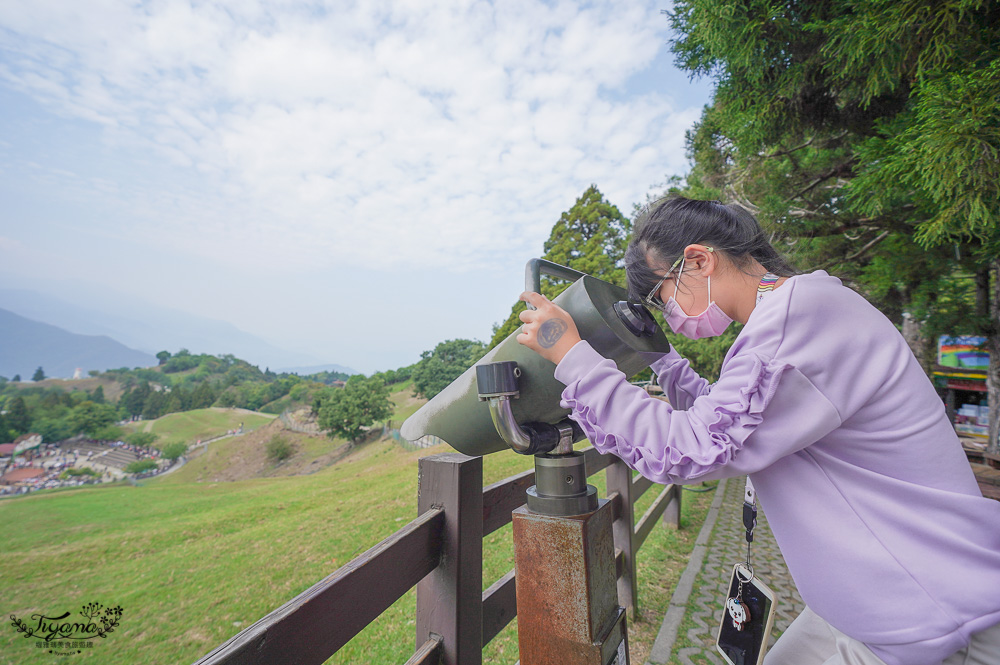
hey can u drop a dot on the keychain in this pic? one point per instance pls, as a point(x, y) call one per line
point(748, 617)
point(737, 609)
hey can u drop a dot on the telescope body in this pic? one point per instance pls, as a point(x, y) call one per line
point(460, 418)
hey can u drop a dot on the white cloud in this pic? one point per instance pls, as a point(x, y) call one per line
point(415, 132)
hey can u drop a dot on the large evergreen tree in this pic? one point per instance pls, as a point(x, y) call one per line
point(865, 135)
point(590, 237)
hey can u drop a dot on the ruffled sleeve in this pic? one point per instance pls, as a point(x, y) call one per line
point(759, 411)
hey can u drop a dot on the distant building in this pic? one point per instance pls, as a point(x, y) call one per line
point(22, 476)
point(6, 451)
point(78, 373)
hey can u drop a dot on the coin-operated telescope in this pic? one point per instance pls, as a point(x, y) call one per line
point(510, 400)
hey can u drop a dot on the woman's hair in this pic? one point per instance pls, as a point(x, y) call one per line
point(670, 224)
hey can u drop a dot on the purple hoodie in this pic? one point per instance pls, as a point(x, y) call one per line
point(864, 483)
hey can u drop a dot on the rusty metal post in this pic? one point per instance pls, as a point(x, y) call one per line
point(567, 600)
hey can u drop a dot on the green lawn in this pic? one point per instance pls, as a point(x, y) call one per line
point(202, 424)
point(192, 564)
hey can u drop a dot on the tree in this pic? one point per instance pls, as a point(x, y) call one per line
point(444, 364)
point(866, 137)
point(98, 396)
point(18, 417)
point(349, 411)
point(88, 418)
point(590, 237)
point(17, 378)
point(163, 357)
point(141, 439)
point(173, 450)
point(39, 374)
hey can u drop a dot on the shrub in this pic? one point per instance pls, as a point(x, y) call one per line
point(82, 471)
point(173, 450)
point(279, 449)
point(139, 466)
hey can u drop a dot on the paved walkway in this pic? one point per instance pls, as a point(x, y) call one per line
point(702, 588)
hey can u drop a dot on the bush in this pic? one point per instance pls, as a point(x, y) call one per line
point(82, 471)
point(279, 449)
point(140, 466)
point(173, 450)
point(141, 439)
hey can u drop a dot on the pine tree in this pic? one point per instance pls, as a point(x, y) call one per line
point(590, 237)
point(866, 136)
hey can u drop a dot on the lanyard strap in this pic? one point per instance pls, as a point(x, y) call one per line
point(749, 513)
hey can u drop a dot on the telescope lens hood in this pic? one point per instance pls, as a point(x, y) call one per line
point(636, 318)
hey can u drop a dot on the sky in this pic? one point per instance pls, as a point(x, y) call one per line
point(356, 181)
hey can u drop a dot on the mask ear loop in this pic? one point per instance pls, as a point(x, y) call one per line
point(677, 279)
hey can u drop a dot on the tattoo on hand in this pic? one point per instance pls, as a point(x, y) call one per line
point(550, 332)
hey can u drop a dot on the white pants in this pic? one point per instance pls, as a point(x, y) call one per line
point(810, 640)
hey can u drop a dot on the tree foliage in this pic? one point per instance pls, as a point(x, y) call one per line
point(39, 374)
point(348, 412)
point(445, 363)
point(590, 237)
point(173, 450)
point(866, 136)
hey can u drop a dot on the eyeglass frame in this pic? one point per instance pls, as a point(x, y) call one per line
point(658, 303)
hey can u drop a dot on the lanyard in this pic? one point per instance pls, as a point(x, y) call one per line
point(749, 515)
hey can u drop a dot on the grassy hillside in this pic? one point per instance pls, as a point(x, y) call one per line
point(192, 563)
point(243, 457)
point(202, 424)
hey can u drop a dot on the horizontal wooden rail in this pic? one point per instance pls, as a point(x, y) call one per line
point(502, 498)
point(596, 461)
point(648, 521)
point(428, 654)
point(639, 486)
point(499, 606)
point(312, 626)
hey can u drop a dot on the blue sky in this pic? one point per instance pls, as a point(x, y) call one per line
point(352, 180)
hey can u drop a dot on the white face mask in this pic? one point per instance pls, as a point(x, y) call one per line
point(710, 323)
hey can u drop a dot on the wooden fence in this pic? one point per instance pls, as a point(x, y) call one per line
point(441, 553)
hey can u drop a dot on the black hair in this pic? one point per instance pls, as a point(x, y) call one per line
point(668, 225)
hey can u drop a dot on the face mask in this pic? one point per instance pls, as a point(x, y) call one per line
point(710, 323)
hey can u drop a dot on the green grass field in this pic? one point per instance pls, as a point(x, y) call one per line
point(202, 424)
point(192, 564)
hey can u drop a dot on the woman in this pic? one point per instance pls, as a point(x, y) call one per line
point(865, 486)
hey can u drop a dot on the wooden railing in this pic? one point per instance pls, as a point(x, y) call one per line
point(441, 553)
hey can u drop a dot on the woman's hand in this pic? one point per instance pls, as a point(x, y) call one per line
point(548, 329)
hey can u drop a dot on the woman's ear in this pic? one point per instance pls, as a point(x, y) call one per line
point(701, 259)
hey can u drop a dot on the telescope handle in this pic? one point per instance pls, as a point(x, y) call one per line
point(533, 274)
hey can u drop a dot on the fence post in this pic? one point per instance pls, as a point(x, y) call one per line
point(672, 514)
point(450, 598)
point(619, 479)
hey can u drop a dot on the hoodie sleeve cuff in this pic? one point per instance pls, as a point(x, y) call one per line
point(578, 362)
point(668, 359)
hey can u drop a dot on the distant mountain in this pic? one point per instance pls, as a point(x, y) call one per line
point(150, 328)
point(314, 369)
point(29, 344)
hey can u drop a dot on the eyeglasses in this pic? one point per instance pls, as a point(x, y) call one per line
point(653, 298)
